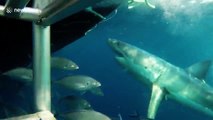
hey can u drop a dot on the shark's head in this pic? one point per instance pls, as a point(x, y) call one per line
point(137, 61)
point(123, 49)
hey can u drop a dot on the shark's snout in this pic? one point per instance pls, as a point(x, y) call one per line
point(116, 43)
point(116, 46)
point(112, 42)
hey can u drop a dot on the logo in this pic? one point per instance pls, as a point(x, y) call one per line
point(13, 10)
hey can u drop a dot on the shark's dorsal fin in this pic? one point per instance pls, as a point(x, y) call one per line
point(156, 98)
point(200, 69)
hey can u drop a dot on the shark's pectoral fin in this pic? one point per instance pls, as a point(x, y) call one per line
point(122, 61)
point(200, 69)
point(156, 98)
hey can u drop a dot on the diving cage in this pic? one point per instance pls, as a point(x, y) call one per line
point(43, 14)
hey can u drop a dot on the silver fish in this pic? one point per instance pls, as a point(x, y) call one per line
point(73, 103)
point(21, 74)
point(79, 83)
point(63, 63)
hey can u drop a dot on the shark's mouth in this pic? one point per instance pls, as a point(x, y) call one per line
point(119, 55)
point(117, 47)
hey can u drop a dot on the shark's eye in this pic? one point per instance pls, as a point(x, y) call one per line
point(118, 44)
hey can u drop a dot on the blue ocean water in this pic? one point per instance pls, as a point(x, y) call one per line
point(180, 37)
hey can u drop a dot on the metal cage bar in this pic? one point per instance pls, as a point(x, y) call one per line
point(41, 67)
point(62, 8)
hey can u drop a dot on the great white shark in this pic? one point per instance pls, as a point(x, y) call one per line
point(187, 86)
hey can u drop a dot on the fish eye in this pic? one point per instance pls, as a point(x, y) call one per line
point(87, 83)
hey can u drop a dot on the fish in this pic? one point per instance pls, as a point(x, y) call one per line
point(72, 103)
point(60, 63)
point(85, 115)
point(63, 64)
point(78, 83)
point(184, 85)
point(21, 74)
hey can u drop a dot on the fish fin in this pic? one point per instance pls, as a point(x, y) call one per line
point(6, 112)
point(82, 93)
point(156, 98)
point(57, 94)
point(119, 116)
point(29, 65)
point(21, 94)
point(166, 97)
point(200, 69)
